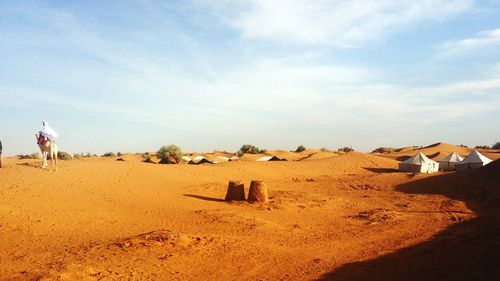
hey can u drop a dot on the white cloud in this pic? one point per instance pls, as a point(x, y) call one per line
point(336, 23)
point(482, 40)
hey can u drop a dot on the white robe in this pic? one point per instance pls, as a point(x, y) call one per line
point(49, 133)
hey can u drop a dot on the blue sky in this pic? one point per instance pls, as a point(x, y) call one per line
point(131, 76)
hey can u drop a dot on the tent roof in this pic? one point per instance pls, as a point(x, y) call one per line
point(453, 157)
point(476, 157)
point(418, 159)
point(269, 158)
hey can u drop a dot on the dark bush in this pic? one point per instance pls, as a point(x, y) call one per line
point(250, 149)
point(496, 145)
point(300, 148)
point(345, 149)
point(482, 147)
point(109, 154)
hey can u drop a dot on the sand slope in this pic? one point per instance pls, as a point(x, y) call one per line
point(99, 218)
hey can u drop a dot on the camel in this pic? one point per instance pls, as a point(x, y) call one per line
point(48, 148)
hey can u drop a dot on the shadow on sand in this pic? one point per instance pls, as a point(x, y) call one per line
point(381, 170)
point(204, 198)
point(468, 250)
point(32, 165)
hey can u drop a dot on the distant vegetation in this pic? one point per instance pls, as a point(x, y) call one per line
point(108, 154)
point(64, 155)
point(345, 149)
point(119, 154)
point(169, 154)
point(146, 158)
point(463, 145)
point(379, 150)
point(300, 148)
point(35, 155)
point(496, 145)
point(482, 147)
point(250, 149)
point(324, 149)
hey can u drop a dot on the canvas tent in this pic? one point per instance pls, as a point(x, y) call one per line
point(448, 163)
point(201, 160)
point(270, 158)
point(419, 163)
point(472, 161)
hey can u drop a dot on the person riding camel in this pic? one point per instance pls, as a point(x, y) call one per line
point(47, 133)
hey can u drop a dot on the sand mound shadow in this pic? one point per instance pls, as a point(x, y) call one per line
point(468, 250)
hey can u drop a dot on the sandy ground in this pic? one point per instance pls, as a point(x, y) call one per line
point(329, 216)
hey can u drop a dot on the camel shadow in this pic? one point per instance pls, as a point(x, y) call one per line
point(468, 250)
point(204, 198)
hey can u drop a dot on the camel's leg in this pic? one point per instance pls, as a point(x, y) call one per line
point(44, 161)
point(54, 151)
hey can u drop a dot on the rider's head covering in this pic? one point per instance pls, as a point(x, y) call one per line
point(45, 123)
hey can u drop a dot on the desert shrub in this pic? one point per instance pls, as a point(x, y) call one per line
point(35, 155)
point(496, 145)
point(379, 150)
point(109, 154)
point(324, 149)
point(463, 145)
point(248, 148)
point(169, 154)
point(64, 155)
point(77, 155)
point(119, 154)
point(300, 148)
point(345, 149)
point(482, 147)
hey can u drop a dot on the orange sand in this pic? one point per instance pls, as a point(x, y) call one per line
point(101, 219)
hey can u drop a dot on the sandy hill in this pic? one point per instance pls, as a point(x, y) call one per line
point(435, 151)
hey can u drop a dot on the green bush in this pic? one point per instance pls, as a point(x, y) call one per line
point(300, 148)
point(109, 154)
point(324, 149)
point(64, 155)
point(169, 154)
point(250, 149)
point(496, 145)
point(482, 147)
point(345, 149)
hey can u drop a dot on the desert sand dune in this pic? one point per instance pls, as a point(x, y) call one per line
point(436, 152)
point(102, 219)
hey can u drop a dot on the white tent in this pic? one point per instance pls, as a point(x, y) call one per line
point(419, 163)
point(269, 158)
point(448, 163)
point(472, 161)
point(201, 160)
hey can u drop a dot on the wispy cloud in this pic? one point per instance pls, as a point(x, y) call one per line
point(483, 40)
point(335, 23)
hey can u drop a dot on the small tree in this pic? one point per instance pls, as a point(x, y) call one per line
point(324, 149)
point(496, 145)
point(119, 154)
point(300, 148)
point(169, 154)
point(345, 149)
point(250, 149)
point(109, 154)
